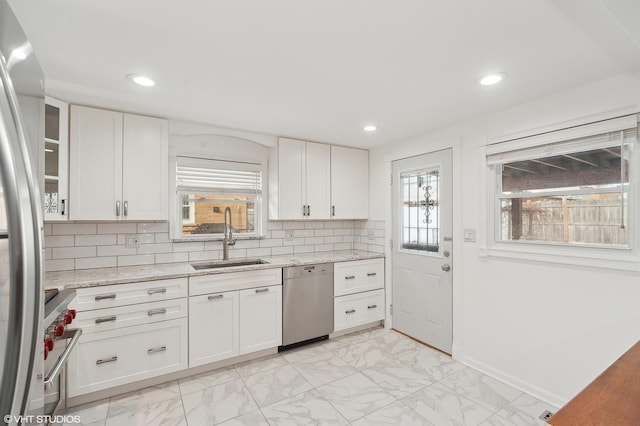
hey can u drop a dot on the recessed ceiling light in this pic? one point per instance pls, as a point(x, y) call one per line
point(370, 128)
point(492, 79)
point(141, 80)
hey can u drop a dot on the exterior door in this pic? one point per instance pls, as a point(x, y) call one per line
point(422, 248)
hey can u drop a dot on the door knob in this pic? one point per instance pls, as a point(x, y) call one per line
point(446, 267)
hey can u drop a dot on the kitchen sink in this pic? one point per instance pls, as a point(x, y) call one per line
point(227, 264)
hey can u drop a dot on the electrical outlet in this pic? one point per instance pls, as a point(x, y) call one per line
point(288, 235)
point(372, 235)
point(470, 235)
point(132, 241)
point(546, 415)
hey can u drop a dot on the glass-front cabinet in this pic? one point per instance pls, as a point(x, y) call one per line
point(56, 159)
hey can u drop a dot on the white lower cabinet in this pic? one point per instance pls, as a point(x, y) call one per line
point(358, 309)
point(130, 332)
point(213, 327)
point(117, 357)
point(236, 322)
point(261, 318)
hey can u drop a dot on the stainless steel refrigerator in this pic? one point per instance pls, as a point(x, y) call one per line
point(21, 288)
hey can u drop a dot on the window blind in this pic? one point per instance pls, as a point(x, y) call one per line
point(582, 138)
point(218, 177)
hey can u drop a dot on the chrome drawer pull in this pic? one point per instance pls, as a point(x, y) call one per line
point(217, 296)
point(350, 277)
point(156, 350)
point(372, 306)
point(157, 312)
point(105, 361)
point(350, 311)
point(105, 319)
point(262, 290)
point(156, 290)
point(371, 274)
point(105, 296)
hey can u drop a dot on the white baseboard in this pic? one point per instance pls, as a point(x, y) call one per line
point(531, 389)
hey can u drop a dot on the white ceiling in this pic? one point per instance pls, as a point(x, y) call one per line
point(321, 69)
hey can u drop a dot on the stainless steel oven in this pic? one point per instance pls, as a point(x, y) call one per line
point(59, 342)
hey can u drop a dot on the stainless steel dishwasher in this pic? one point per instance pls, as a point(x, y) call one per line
point(307, 303)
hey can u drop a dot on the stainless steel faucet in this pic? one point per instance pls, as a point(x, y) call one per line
point(228, 235)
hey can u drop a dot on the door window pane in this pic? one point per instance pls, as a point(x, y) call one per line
point(420, 210)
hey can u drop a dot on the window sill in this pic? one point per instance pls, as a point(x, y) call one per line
point(623, 260)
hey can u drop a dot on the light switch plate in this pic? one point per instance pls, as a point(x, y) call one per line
point(469, 235)
point(288, 235)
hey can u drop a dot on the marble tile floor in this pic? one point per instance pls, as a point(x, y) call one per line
point(375, 377)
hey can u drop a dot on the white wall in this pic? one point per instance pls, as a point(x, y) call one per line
point(548, 329)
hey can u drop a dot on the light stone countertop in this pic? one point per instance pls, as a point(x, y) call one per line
point(128, 274)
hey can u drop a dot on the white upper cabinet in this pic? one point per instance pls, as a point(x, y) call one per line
point(56, 160)
point(304, 180)
point(118, 166)
point(318, 181)
point(349, 183)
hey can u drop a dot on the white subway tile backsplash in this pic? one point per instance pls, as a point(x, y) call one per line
point(279, 251)
point(117, 228)
point(190, 246)
point(274, 225)
point(60, 241)
point(119, 250)
point(96, 240)
point(73, 228)
point(59, 265)
point(292, 225)
point(144, 228)
point(155, 248)
point(72, 252)
point(274, 242)
point(98, 245)
point(96, 262)
point(302, 249)
point(172, 257)
point(201, 256)
point(257, 252)
point(141, 259)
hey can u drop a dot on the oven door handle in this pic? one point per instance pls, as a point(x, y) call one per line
point(74, 335)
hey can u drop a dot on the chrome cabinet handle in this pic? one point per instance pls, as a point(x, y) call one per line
point(64, 204)
point(446, 267)
point(304, 210)
point(105, 319)
point(308, 210)
point(371, 274)
point(125, 208)
point(118, 208)
point(105, 296)
point(216, 297)
point(350, 277)
point(333, 210)
point(156, 290)
point(157, 312)
point(156, 350)
point(262, 290)
point(372, 306)
point(107, 360)
point(350, 311)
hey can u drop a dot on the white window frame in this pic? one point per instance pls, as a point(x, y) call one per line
point(175, 207)
point(609, 257)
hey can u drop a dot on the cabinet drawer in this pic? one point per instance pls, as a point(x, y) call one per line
point(117, 357)
point(357, 276)
point(357, 309)
point(110, 296)
point(230, 281)
point(131, 315)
